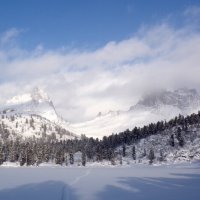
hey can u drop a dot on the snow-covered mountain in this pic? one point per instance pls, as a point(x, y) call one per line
point(183, 99)
point(162, 105)
point(33, 115)
point(37, 102)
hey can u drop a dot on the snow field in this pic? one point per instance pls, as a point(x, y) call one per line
point(137, 182)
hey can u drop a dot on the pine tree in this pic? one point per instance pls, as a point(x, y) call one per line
point(124, 150)
point(113, 160)
point(1, 155)
point(58, 158)
point(133, 153)
point(39, 154)
point(66, 159)
point(99, 153)
point(13, 155)
point(151, 156)
point(144, 153)
point(12, 118)
point(180, 137)
point(83, 158)
point(30, 157)
point(171, 141)
point(71, 158)
point(120, 157)
point(112, 156)
point(46, 153)
point(62, 157)
point(22, 156)
point(161, 156)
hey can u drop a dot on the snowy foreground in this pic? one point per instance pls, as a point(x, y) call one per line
point(93, 183)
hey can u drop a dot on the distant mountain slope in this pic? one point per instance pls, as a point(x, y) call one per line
point(162, 105)
point(31, 126)
point(33, 115)
point(183, 99)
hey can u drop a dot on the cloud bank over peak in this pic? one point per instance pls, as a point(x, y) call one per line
point(82, 82)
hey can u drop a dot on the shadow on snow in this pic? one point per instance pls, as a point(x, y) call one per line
point(49, 190)
point(182, 186)
point(179, 186)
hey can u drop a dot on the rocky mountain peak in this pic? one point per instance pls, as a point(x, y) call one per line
point(36, 102)
point(181, 98)
point(39, 95)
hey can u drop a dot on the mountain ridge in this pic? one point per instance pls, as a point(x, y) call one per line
point(180, 98)
point(161, 105)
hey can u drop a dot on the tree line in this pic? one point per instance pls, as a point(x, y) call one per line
point(33, 151)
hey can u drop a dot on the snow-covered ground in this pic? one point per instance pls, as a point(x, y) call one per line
point(138, 182)
point(115, 122)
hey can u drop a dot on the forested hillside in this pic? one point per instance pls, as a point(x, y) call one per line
point(172, 141)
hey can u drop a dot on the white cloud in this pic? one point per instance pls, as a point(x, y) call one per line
point(9, 35)
point(193, 11)
point(192, 15)
point(82, 83)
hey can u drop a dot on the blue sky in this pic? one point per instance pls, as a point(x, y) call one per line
point(85, 23)
point(94, 56)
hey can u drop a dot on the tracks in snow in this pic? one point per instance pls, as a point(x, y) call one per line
point(77, 179)
point(65, 193)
